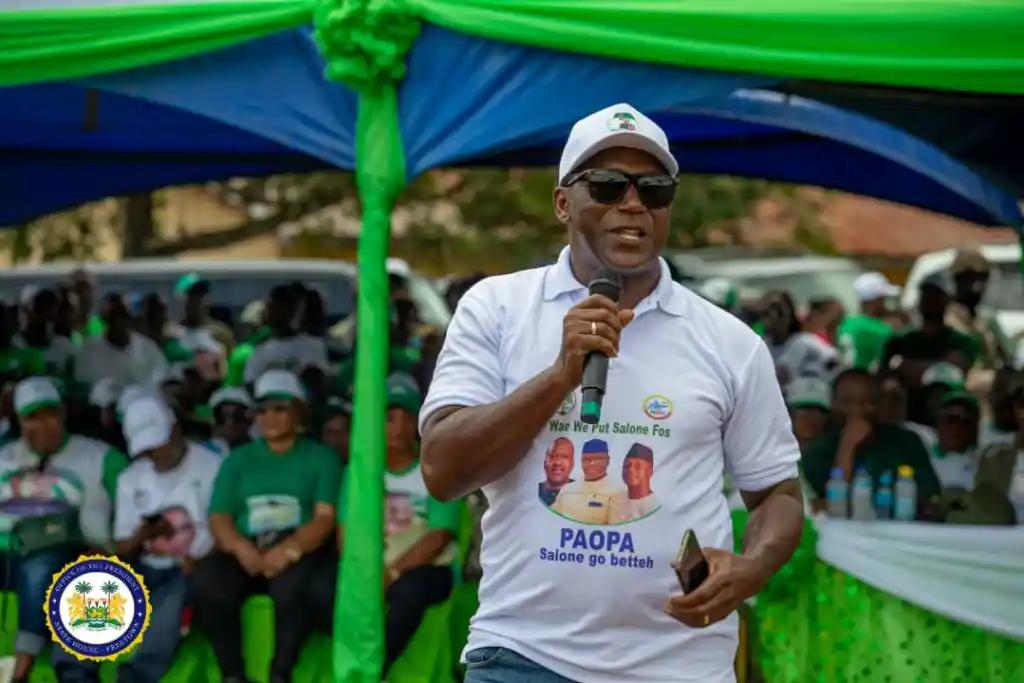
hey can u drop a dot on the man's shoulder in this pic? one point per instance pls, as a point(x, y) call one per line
point(727, 330)
point(203, 458)
point(507, 287)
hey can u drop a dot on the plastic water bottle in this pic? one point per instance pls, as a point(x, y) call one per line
point(861, 498)
point(837, 495)
point(906, 494)
point(883, 496)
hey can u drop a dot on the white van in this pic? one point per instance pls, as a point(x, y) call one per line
point(234, 284)
point(1004, 294)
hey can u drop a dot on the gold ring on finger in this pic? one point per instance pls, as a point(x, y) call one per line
point(593, 328)
point(707, 619)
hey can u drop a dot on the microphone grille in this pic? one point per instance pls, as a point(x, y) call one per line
point(607, 282)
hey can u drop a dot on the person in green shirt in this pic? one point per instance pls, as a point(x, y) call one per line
point(860, 440)
point(861, 338)
point(272, 512)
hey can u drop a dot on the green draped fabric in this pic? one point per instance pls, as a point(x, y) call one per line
point(815, 624)
point(44, 45)
point(975, 45)
point(972, 45)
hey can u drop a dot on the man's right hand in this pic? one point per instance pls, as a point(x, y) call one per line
point(250, 558)
point(155, 529)
point(593, 324)
point(855, 432)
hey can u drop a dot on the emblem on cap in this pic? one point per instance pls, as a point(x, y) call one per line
point(622, 120)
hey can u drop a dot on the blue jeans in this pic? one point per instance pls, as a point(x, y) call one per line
point(168, 593)
point(501, 665)
point(31, 577)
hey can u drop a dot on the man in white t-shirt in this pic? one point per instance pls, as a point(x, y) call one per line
point(120, 353)
point(160, 526)
point(286, 349)
point(600, 603)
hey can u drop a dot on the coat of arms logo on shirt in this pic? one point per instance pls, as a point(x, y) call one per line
point(658, 407)
point(97, 608)
point(622, 120)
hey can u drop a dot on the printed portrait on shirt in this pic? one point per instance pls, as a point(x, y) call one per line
point(599, 492)
point(178, 543)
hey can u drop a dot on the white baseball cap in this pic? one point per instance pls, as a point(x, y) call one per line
point(105, 392)
point(279, 384)
point(231, 395)
point(35, 393)
point(134, 392)
point(874, 285)
point(620, 125)
point(148, 424)
point(809, 392)
point(943, 373)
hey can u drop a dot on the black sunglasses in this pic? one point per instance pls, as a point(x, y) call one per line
point(656, 190)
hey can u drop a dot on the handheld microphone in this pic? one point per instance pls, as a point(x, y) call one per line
point(607, 283)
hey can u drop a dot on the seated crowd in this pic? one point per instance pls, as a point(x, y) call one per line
point(876, 393)
point(215, 465)
point(213, 468)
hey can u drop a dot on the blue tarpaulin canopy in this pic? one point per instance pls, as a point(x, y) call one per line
point(263, 107)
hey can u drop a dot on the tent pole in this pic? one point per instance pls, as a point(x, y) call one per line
point(358, 650)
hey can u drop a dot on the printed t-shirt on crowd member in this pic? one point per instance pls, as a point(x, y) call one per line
point(294, 354)
point(81, 475)
point(141, 362)
point(694, 385)
point(411, 513)
point(861, 339)
point(180, 495)
point(269, 495)
point(805, 355)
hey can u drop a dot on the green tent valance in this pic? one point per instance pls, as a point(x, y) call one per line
point(969, 45)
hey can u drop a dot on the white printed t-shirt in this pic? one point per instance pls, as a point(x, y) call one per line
point(294, 354)
point(181, 495)
point(693, 384)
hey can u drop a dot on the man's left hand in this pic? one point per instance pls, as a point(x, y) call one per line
point(275, 561)
point(731, 580)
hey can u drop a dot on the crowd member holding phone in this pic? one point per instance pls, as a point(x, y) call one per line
point(601, 603)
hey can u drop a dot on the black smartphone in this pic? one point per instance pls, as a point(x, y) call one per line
point(690, 564)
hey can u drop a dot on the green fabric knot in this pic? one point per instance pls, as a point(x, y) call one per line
point(364, 41)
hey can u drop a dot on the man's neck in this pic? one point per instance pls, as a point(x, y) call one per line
point(118, 340)
point(553, 485)
point(638, 492)
point(932, 328)
point(193, 321)
point(282, 332)
point(282, 445)
point(636, 285)
point(597, 478)
point(400, 462)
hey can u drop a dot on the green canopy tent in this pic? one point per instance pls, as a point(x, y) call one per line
point(932, 45)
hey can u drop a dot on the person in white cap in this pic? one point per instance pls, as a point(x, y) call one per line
point(233, 411)
point(810, 402)
point(49, 471)
point(272, 513)
point(912, 351)
point(695, 380)
point(161, 527)
point(862, 338)
point(120, 352)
